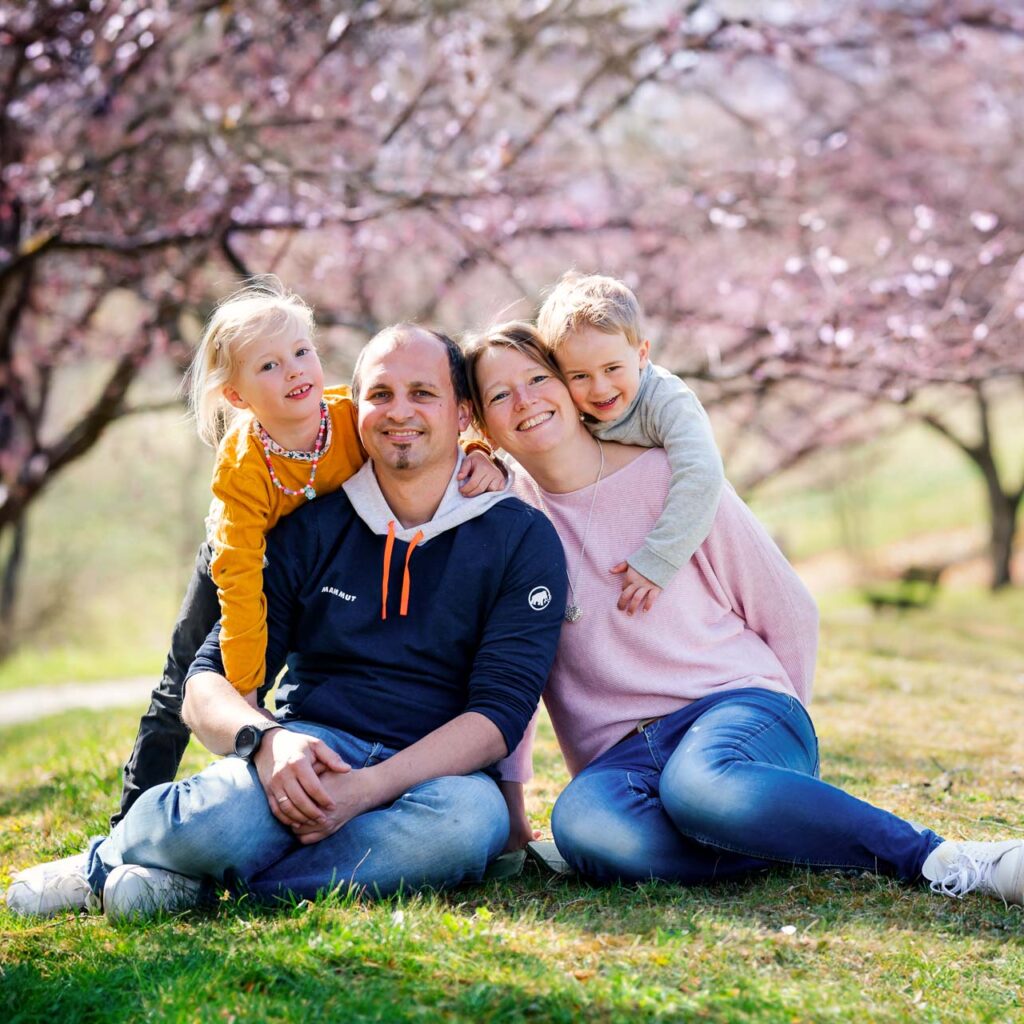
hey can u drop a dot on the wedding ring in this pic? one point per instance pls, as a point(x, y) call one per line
point(283, 799)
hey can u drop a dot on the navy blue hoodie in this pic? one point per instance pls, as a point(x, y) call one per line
point(389, 633)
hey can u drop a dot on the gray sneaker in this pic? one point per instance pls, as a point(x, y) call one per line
point(957, 868)
point(135, 891)
point(52, 888)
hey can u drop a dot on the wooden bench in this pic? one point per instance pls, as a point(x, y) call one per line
point(915, 587)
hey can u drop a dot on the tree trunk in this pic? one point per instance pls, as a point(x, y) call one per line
point(10, 585)
point(1003, 504)
point(1003, 509)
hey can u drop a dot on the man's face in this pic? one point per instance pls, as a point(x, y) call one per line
point(409, 419)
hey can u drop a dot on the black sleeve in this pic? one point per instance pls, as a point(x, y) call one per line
point(519, 640)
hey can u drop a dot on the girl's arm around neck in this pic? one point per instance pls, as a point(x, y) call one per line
point(237, 570)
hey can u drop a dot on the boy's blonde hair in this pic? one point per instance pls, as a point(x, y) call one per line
point(263, 307)
point(579, 301)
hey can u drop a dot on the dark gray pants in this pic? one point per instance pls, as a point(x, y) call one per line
point(163, 737)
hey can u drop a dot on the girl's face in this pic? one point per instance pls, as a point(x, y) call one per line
point(280, 380)
point(527, 409)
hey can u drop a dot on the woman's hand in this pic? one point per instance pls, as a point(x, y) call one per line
point(638, 592)
point(479, 474)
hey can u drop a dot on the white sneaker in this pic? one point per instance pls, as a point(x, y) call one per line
point(52, 888)
point(135, 891)
point(957, 868)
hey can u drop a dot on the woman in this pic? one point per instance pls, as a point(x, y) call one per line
point(684, 727)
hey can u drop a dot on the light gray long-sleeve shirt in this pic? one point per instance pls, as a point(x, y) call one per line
point(666, 414)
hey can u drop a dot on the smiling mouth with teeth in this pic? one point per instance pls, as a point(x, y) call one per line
point(534, 421)
point(299, 391)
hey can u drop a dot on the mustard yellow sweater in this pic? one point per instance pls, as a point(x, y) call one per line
point(250, 505)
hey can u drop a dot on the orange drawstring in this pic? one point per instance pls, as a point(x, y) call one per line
point(388, 546)
point(405, 576)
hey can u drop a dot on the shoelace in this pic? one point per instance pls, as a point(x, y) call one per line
point(964, 875)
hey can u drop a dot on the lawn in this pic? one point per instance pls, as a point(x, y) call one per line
point(920, 713)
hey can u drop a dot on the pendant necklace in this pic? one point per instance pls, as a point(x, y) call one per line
point(308, 491)
point(573, 612)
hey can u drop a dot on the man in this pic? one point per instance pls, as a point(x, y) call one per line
point(419, 628)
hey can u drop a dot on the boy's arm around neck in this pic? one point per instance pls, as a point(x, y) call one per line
point(667, 414)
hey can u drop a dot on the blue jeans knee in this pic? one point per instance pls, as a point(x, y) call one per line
point(596, 833)
point(734, 761)
point(212, 824)
point(436, 835)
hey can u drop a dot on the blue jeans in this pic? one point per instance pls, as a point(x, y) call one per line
point(217, 825)
point(725, 786)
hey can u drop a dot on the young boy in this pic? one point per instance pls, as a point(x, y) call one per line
point(591, 324)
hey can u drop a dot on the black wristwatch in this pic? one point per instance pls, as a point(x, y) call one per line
point(249, 738)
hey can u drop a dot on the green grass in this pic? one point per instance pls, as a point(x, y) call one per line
point(919, 713)
point(903, 484)
point(80, 664)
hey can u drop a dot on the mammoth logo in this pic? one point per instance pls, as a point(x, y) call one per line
point(540, 598)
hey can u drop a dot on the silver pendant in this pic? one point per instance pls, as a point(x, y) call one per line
point(309, 492)
point(573, 613)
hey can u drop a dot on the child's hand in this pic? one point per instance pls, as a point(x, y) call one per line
point(520, 833)
point(479, 474)
point(637, 591)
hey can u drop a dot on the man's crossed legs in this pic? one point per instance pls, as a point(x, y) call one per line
point(217, 826)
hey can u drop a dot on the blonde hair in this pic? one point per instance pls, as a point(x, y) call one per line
point(263, 307)
point(518, 335)
point(589, 300)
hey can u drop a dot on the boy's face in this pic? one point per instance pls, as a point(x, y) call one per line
point(603, 371)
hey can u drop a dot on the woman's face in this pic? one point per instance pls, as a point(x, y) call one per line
point(527, 409)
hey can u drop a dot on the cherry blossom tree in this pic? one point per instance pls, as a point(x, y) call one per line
point(903, 278)
point(814, 198)
point(824, 220)
point(152, 152)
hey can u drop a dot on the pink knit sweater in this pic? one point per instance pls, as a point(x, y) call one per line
point(736, 615)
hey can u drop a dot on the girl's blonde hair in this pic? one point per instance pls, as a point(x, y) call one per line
point(262, 307)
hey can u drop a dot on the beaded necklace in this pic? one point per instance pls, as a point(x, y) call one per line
point(270, 445)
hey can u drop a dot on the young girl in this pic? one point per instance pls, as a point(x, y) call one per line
point(256, 381)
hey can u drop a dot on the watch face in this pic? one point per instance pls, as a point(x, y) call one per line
point(247, 739)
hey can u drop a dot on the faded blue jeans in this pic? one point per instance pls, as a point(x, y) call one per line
point(217, 825)
point(725, 786)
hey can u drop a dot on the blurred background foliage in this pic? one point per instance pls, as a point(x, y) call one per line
point(819, 203)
